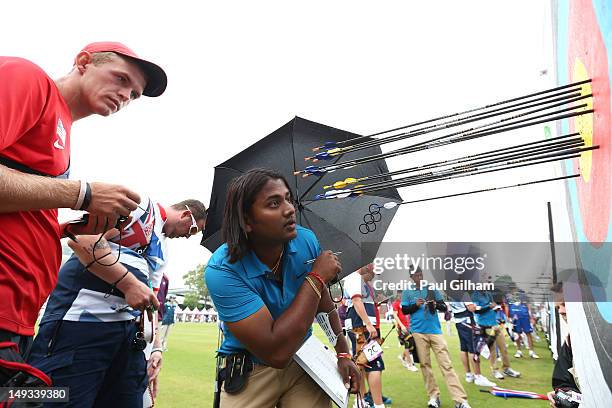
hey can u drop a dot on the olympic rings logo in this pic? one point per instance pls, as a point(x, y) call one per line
point(370, 219)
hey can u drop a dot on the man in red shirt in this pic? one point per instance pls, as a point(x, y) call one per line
point(36, 115)
point(402, 322)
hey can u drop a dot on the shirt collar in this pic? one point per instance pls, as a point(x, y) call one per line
point(254, 267)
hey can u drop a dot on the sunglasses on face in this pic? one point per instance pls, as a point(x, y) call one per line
point(194, 225)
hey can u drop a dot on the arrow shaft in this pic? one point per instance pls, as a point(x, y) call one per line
point(546, 91)
point(461, 121)
point(459, 137)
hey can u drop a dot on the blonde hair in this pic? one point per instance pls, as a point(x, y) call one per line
point(99, 58)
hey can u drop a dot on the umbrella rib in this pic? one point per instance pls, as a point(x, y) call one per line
point(297, 188)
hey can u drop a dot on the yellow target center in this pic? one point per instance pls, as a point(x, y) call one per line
point(584, 123)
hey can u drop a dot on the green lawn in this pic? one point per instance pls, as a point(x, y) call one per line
point(187, 376)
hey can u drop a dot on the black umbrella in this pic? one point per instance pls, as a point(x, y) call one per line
point(335, 222)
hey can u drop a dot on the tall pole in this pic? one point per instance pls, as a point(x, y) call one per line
point(553, 259)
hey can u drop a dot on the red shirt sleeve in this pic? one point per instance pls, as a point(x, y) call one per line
point(24, 88)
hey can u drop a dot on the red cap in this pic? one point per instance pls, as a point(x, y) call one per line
point(156, 77)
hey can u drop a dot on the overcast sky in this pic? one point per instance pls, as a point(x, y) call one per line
point(238, 70)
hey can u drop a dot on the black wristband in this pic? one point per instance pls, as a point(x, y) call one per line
point(121, 278)
point(114, 285)
point(87, 198)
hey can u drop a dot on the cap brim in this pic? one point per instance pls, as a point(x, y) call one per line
point(156, 78)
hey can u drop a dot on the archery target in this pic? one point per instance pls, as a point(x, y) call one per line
point(584, 50)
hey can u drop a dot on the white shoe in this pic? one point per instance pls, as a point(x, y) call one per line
point(533, 355)
point(469, 377)
point(434, 402)
point(511, 373)
point(483, 381)
point(499, 359)
point(404, 362)
point(463, 404)
point(412, 368)
point(518, 354)
point(497, 374)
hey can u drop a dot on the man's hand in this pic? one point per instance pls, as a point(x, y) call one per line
point(350, 374)
point(372, 330)
point(327, 265)
point(138, 295)
point(110, 201)
point(153, 387)
point(471, 307)
point(154, 365)
point(550, 396)
point(420, 301)
point(95, 225)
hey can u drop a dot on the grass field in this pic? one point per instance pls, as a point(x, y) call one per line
point(188, 373)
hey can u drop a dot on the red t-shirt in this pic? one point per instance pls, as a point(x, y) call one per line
point(35, 126)
point(403, 318)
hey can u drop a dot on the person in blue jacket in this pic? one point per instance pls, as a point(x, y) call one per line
point(486, 318)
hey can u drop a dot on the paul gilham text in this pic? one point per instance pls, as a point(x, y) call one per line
point(455, 284)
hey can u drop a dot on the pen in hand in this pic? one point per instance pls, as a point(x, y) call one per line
point(308, 262)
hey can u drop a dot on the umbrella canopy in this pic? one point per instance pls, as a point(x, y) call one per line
point(335, 222)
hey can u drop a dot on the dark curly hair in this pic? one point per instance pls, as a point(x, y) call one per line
point(241, 195)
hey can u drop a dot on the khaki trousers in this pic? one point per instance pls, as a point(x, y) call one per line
point(164, 332)
point(500, 340)
point(435, 342)
point(269, 387)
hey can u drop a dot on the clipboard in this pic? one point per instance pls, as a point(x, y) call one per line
point(322, 366)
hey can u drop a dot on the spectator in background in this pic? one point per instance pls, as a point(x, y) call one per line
point(520, 313)
point(365, 323)
point(167, 321)
point(422, 306)
point(486, 318)
point(402, 323)
point(464, 322)
point(162, 294)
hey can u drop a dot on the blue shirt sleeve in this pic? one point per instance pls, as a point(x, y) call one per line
point(407, 298)
point(232, 297)
point(480, 299)
point(438, 296)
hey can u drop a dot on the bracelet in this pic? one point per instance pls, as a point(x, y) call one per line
point(87, 197)
point(114, 285)
point(344, 355)
point(81, 197)
point(153, 350)
point(319, 278)
point(314, 286)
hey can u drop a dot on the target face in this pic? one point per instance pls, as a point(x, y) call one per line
point(584, 50)
point(584, 44)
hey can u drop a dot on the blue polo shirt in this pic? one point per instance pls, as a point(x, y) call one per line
point(422, 321)
point(484, 299)
point(240, 289)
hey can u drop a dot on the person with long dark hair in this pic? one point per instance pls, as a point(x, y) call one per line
point(267, 295)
